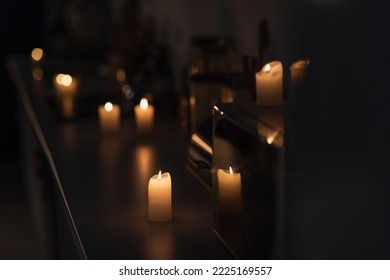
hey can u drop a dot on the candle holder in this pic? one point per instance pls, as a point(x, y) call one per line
point(248, 200)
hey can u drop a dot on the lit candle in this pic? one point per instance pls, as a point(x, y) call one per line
point(298, 73)
point(144, 116)
point(109, 117)
point(160, 198)
point(229, 192)
point(269, 84)
point(65, 84)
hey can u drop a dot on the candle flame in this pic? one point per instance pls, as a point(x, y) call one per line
point(59, 79)
point(108, 107)
point(159, 175)
point(267, 68)
point(230, 170)
point(144, 104)
point(66, 80)
point(37, 54)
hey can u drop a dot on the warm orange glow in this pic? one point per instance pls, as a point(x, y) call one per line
point(37, 54)
point(230, 170)
point(108, 107)
point(59, 79)
point(194, 70)
point(159, 175)
point(144, 104)
point(300, 64)
point(267, 68)
point(37, 74)
point(272, 137)
point(64, 79)
point(120, 75)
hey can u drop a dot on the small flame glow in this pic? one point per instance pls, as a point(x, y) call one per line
point(59, 78)
point(66, 80)
point(108, 107)
point(159, 175)
point(37, 54)
point(267, 68)
point(144, 104)
point(272, 137)
point(230, 170)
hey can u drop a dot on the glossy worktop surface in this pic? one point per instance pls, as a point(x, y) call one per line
point(103, 181)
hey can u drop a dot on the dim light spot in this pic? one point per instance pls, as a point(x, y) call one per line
point(120, 75)
point(37, 74)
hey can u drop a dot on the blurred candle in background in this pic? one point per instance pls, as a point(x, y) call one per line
point(144, 116)
point(229, 192)
point(269, 84)
point(109, 117)
point(65, 84)
point(37, 54)
point(160, 198)
point(66, 88)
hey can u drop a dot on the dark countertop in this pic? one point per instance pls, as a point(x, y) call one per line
point(103, 181)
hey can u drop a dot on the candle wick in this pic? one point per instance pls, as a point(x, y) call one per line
point(230, 170)
point(159, 175)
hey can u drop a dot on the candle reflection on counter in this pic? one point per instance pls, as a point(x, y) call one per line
point(271, 126)
point(298, 73)
point(229, 192)
point(37, 74)
point(160, 241)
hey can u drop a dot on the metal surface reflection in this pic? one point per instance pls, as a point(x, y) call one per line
point(250, 139)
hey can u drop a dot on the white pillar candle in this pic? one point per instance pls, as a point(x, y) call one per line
point(109, 117)
point(229, 192)
point(269, 84)
point(160, 198)
point(65, 84)
point(144, 116)
point(298, 73)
